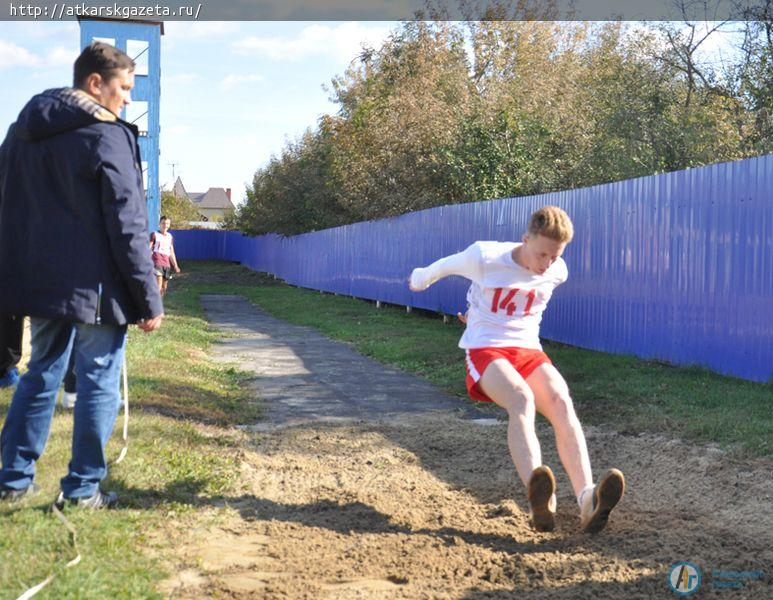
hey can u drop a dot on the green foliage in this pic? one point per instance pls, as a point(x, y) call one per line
point(179, 210)
point(230, 220)
point(449, 112)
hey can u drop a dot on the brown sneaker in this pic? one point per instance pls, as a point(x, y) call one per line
point(597, 505)
point(542, 500)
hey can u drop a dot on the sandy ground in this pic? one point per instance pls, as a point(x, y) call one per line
point(429, 506)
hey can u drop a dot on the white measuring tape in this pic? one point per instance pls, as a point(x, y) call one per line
point(60, 499)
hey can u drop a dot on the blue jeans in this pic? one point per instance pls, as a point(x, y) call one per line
point(99, 355)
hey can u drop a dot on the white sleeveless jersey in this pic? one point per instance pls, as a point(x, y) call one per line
point(505, 300)
point(162, 243)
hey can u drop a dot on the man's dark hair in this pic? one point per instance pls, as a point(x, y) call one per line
point(101, 58)
point(163, 218)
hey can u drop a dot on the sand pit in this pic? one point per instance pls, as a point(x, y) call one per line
point(427, 505)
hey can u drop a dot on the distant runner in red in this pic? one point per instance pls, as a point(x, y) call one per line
point(164, 260)
point(511, 286)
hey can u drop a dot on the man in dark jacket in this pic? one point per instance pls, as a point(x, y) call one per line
point(74, 258)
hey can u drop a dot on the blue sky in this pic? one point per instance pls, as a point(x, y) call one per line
point(232, 93)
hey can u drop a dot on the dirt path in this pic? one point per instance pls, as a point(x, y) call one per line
point(418, 498)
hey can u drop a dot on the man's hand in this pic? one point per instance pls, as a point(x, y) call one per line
point(176, 269)
point(462, 317)
point(148, 325)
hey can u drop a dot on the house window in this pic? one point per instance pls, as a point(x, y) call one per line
point(145, 175)
point(138, 51)
point(137, 113)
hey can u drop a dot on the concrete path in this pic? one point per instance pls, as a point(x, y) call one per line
point(303, 376)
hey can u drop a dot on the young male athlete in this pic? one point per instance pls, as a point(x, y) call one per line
point(162, 246)
point(511, 286)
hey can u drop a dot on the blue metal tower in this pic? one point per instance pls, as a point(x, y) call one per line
point(141, 40)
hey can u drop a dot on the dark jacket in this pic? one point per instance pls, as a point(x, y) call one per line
point(73, 220)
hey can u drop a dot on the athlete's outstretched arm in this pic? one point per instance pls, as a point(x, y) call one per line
point(466, 264)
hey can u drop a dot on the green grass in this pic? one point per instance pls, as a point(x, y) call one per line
point(183, 456)
point(623, 392)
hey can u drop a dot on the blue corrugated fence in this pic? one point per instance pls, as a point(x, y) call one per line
point(677, 267)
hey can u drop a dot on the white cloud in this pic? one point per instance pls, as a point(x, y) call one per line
point(343, 42)
point(12, 55)
point(181, 78)
point(35, 30)
point(61, 56)
point(231, 81)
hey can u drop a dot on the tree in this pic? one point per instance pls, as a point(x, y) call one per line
point(179, 210)
point(752, 77)
point(534, 106)
point(399, 107)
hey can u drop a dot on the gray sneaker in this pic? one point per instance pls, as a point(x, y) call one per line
point(99, 500)
point(10, 495)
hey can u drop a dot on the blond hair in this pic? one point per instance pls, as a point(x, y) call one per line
point(553, 223)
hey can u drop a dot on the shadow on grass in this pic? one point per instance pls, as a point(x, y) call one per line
point(186, 490)
point(194, 403)
point(221, 272)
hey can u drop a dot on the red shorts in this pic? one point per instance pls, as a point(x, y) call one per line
point(524, 360)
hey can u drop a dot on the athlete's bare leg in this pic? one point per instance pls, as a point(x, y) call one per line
point(502, 383)
point(552, 400)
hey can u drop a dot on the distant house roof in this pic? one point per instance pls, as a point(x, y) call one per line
point(179, 189)
point(214, 197)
